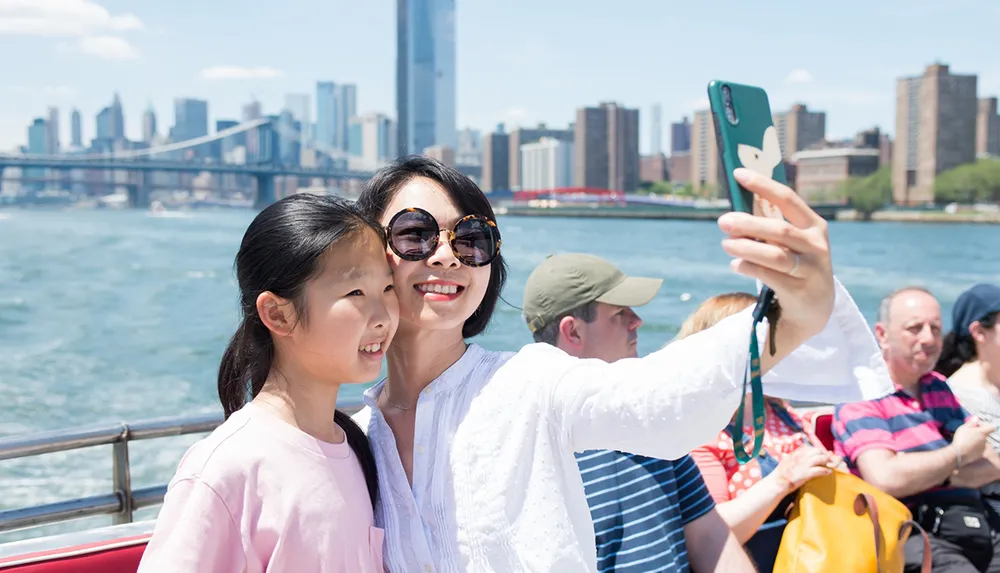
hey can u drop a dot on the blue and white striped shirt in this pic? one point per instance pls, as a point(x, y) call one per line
point(640, 506)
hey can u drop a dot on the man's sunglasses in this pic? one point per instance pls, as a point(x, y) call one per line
point(413, 235)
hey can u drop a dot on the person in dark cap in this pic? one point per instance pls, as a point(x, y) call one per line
point(649, 514)
point(970, 356)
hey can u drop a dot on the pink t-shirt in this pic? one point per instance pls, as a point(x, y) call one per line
point(259, 495)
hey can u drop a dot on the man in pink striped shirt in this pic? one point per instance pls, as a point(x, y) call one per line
point(919, 445)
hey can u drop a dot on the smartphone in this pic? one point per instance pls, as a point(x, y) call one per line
point(745, 137)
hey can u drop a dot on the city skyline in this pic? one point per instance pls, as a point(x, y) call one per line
point(78, 53)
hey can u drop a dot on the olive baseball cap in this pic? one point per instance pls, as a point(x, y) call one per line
point(566, 281)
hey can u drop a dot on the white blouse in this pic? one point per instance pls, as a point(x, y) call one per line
point(496, 487)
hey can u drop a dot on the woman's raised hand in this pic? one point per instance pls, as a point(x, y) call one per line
point(791, 256)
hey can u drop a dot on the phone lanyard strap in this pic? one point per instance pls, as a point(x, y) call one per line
point(763, 308)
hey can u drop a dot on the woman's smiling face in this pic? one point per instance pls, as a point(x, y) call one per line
point(439, 292)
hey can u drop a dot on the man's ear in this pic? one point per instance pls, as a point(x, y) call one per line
point(569, 332)
point(277, 314)
point(881, 335)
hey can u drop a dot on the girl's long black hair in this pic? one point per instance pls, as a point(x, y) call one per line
point(959, 348)
point(280, 253)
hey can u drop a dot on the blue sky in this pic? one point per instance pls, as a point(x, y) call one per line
point(519, 61)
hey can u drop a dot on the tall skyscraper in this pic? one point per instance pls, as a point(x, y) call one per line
point(190, 119)
point(38, 144)
point(76, 127)
point(289, 148)
point(336, 104)
point(347, 107)
point(655, 143)
point(251, 111)
point(117, 119)
point(149, 124)
point(606, 148)
point(38, 137)
point(111, 123)
point(704, 155)
point(104, 123)
point(191, 122)
point(425, 74)
point(988, 128)
point(326, 115)
point(300, 106)
point(798, 128)
point(496, 161)
point(53, 134)
point(935, 130)
point(680, 136)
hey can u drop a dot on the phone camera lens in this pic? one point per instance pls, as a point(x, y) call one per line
point(727, 104)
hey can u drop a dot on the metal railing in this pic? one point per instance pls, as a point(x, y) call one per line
point(122, 501)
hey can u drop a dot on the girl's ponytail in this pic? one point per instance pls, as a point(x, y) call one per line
point(362, 449)
point(247, 358)
point(955, 352)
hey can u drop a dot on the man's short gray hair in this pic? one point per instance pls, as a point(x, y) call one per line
point(885, 306)
point(549, 333)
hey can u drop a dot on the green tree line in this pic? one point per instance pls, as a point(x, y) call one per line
point(969, 183)
point(977, 182)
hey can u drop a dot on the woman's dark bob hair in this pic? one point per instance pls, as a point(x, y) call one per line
point(468, 199)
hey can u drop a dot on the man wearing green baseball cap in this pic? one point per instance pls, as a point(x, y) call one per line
point(582, 304)
point(649, 514)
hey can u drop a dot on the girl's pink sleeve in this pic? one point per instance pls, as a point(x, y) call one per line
point(713, 472)
point(194, 532)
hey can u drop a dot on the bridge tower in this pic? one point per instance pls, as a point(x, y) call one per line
point(138, 190)
point(265, 190)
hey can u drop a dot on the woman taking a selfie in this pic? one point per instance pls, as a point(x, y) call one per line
point(475, 448)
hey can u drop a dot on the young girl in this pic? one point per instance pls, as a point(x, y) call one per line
point(287, 482)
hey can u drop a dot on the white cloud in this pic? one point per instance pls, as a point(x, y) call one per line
point(799, 76)
point(56, 18)
point(108, 47)
point(240, 73)
point(83, 19)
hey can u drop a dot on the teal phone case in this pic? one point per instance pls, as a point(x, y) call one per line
point(751, 142)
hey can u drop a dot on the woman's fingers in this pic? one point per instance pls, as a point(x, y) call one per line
point(772, 231)
point(779, 281)
point(763, 254)
point(789, 202)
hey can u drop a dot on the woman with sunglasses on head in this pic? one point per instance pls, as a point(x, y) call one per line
point(475, 448)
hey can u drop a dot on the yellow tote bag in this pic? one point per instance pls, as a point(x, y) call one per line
point(841, 523)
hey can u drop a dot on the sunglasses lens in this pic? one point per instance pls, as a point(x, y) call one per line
point(476, 242)
point(413, 235)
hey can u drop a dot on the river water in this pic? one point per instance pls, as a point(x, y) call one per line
point(108, 316)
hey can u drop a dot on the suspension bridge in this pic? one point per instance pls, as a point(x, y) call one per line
point(263, 168)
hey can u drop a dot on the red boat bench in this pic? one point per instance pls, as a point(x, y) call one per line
point(112, 554)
